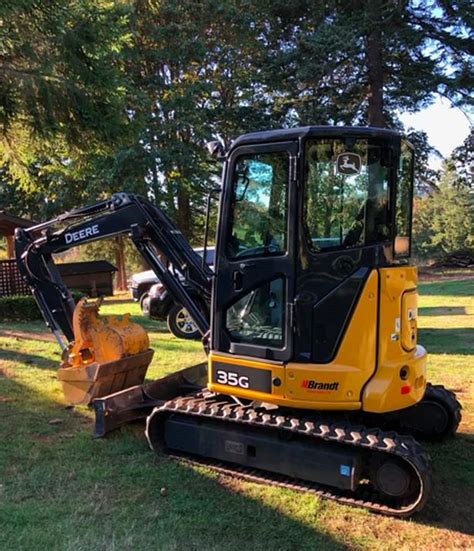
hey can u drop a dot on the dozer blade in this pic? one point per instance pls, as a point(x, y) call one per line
point(108, 354)
point(81, 385)
point(138, 402)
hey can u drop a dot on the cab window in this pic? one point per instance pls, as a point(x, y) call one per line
point(346, 194)
point(258, 214)
point(404, 201)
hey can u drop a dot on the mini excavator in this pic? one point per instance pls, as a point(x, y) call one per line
point(309, 321)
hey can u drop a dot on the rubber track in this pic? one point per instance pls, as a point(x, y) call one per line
point(223, 408)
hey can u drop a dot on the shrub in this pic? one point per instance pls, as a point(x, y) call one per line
point(22, 308)
point(443, 223)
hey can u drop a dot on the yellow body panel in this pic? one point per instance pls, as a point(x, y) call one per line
point(397, 329)
point(278, 395)
point(381, 374)
point(409, 317)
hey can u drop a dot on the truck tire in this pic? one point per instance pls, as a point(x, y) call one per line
point(145, 305)
point(142, 299)
point(181, 324)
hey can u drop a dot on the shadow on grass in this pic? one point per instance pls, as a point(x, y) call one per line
point(152, 326)
point(29, 335)
point(458, 287)
point(458, 340)
point(34, 360)
point(57, 476)
point(175, 345)
point(37, 326)
point(450, 505)
point(442, 311)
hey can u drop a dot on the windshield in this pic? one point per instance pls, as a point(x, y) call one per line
point(346, 193)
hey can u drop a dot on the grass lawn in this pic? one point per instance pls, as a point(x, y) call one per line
point(62, 489)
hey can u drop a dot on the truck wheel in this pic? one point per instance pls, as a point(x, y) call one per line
point(181, 324)
point(145, 305)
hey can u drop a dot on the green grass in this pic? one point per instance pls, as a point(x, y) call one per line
point(62, 489)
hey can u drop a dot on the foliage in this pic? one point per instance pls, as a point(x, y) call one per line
point(58, 77)
point(3, 248)
point(194, 77)
point(462, 160)
point(98, 96)
point(425, 177)
point(21, 308)
point(359, 62)
point(444, 220)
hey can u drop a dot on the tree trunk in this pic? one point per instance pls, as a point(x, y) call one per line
point(170, 197)
point(375, 77)
point(10, 246)
point(184, 212)
point(120, 261)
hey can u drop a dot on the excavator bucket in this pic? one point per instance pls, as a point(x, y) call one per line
point(108, 354)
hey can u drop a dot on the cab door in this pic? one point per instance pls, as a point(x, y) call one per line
point(254, 285)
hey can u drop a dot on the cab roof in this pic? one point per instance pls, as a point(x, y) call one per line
point(289, 134)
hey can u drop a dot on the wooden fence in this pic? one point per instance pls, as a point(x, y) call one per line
point(93, 278)
point(11, 282)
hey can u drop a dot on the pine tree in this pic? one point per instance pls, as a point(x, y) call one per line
point(444, 220)
point(59, 78)
point(463, 162)
point(360, 62)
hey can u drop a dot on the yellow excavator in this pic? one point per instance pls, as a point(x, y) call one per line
point(309, 321)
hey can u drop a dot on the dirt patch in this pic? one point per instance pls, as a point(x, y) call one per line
point(119, 300)
point(5, 399)
point(43, 437)
point(28, 335)
point(51, 436)
point(7, 373)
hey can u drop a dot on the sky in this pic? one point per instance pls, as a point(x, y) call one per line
point(446, 127)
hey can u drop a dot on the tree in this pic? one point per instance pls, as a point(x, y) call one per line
point(59, 78)
point(360, 62)
point(64, 125)
point(444, 220)
point(123, 96)
point(463, 162)
point(425, 177)
point(195, 77)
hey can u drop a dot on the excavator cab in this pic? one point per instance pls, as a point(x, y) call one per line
point(315, 303)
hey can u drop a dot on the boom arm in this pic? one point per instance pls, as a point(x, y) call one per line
point(149, 228)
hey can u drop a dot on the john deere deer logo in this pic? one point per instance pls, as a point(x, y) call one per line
point(348, 163)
